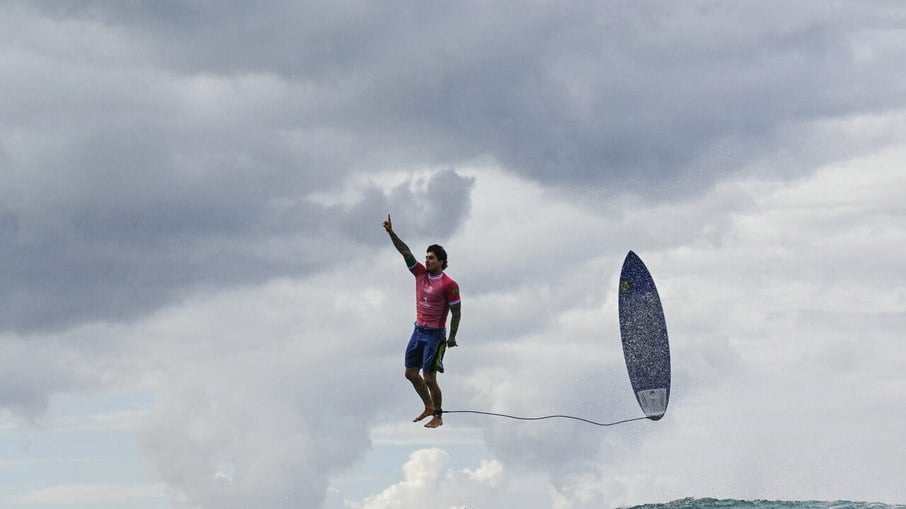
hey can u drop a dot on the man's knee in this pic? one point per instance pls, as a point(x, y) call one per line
point(412, 374)
point(431, 378)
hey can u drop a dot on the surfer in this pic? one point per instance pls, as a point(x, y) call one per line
point(435, 295)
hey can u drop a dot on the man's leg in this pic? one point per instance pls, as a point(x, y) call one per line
point(436, 398)
point(421, 388)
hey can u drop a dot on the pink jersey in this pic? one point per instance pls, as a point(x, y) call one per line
point(433, 297)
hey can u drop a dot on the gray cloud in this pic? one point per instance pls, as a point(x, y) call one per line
point(32, 371)
point(118, 252)
point(593, 92)
point(147, 145)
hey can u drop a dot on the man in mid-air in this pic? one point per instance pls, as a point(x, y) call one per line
point(435, 295)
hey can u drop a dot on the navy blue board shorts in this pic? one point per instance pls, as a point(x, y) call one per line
point(426, 349)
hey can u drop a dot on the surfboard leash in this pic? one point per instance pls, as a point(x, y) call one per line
point(558, 416)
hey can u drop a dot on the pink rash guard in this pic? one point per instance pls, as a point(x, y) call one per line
point(433, 297)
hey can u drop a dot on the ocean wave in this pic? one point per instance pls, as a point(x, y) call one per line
point(713, 503)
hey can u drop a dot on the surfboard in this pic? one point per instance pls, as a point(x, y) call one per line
point(643, 331)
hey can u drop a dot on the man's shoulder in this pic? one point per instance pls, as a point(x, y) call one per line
point(451, 287)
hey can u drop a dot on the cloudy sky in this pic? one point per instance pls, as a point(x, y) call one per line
point(200, 308)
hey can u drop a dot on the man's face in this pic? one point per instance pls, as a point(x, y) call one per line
point(432, 264)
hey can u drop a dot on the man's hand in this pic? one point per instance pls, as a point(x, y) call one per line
point(451, 343)
point(399, 244)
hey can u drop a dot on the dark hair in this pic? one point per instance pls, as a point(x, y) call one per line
point(440, 253)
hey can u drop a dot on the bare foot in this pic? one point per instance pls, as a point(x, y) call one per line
point(436, 422)
point(424, 414)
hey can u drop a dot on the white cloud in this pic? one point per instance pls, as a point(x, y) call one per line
point(265, 392)
point(783, 321)
point(429, 481)
point(255, 389)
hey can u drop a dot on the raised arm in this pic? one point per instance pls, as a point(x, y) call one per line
point(399, 244)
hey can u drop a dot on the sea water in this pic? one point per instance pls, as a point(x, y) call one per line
point(712, 503)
